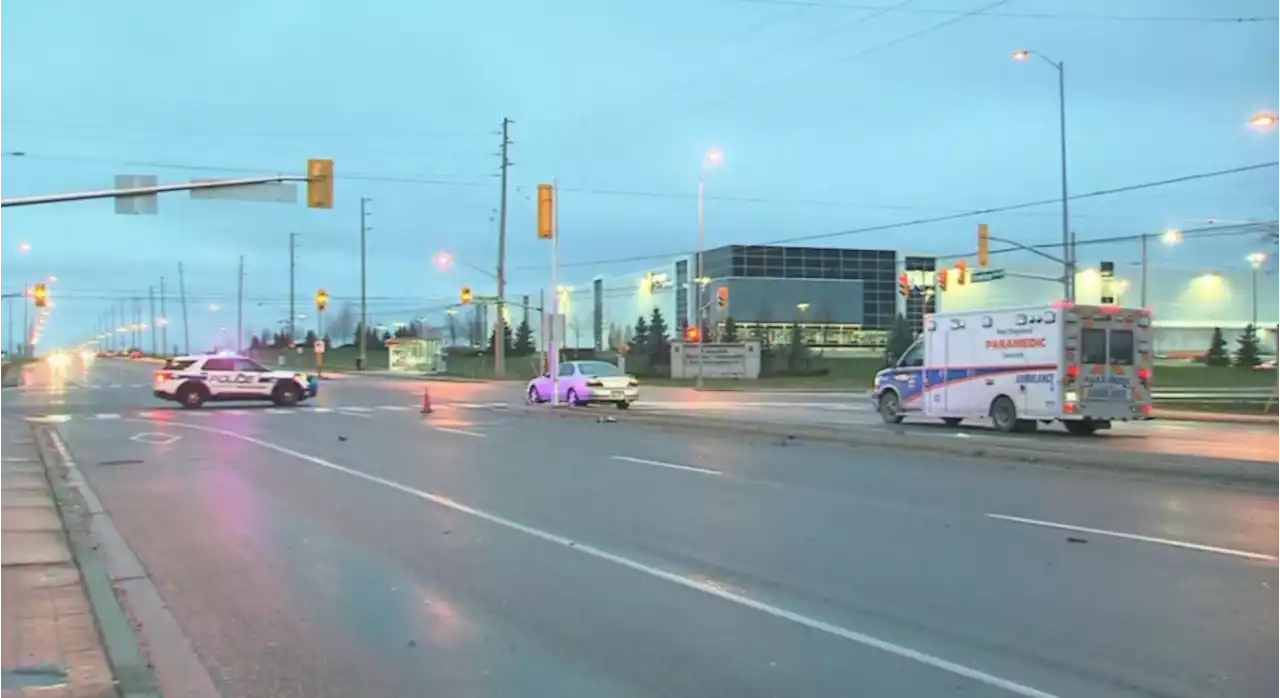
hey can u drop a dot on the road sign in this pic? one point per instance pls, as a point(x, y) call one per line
point(984, 275)
point(318, 346)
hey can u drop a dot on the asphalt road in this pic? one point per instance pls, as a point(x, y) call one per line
point(350, 549)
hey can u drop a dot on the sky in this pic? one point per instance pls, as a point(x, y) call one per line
point(833, 116)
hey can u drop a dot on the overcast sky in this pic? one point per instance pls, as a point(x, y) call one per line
point(833, 115)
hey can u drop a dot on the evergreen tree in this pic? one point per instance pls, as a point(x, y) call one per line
point(1247, 348)
point(640, 338)
point(311, 338)
point(798, 351)
point(1217, 354)
point(900, 340)
point(255, 343)
point(730, 330)
point(658, 345)
point(523, 344)
point(508, 343)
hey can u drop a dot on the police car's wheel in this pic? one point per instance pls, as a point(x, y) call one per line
point(890, 407)
point(1004, 416)
point(285, 395)
point(192, 396)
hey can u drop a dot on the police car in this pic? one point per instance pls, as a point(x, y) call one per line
point(194, 380)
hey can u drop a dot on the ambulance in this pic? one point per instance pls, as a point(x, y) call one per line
point(1083, 365)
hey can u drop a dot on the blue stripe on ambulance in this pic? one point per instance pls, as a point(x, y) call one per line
point(911, 391)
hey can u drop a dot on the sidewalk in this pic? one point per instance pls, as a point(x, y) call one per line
point(51, 644)
point(1176, 415)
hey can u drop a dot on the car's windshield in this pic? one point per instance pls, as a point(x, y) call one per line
point(177, 364)
point(598, 369)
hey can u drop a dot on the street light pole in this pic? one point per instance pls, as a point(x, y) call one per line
point(697, 279)
point(1068, 249)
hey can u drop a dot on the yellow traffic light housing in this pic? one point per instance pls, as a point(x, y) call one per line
point(942, 278)
point(904, 285)
point(322, 300)
point(722, 296)
point(465, 295)
point(546, 211)
point(962, 268)
point(40, 295)
point(320, 183)
point(984, 245)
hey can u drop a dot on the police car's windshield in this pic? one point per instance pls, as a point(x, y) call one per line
point(177, 364)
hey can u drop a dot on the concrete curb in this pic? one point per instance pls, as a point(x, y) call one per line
point(1230, 472)
point(128, 664)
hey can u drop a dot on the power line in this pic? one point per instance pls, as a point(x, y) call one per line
point(935, 219)
point(821, 4)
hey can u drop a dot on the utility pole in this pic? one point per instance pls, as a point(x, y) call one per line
point(182, 299)
point(151, 293)
point(240, 306)
point(137, 324)
point(9, 314)
point(293, 311)
point(164, 328)
point(364, 305)
point(500, 326)
point(26, 321)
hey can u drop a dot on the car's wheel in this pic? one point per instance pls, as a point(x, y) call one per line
point(623, 404)
point(952, 421)
point(285, 395)
point(890, 407)
point(534, 397)
point(192, 395)
point(571, 397)
point(1080, 428)
point(1004, 416)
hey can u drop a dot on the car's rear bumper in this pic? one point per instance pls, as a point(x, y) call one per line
point(613, 395)
point(163, 395)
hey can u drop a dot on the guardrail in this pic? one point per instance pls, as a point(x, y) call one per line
point(1245, 395)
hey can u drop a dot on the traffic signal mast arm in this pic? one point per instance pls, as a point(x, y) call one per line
point(1032, 250)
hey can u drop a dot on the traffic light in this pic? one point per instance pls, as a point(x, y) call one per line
point(904, 285)
point(984, 245)
point(691, 334)
point(40, 295)
point(942, 278)
point(320, 183)
point(322, 300)
point(962, 268)
point(722, 296)
point(546, 211)
point(465, 295)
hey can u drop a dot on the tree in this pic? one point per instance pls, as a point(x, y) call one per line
point(507, 344)
point(640, 337)
point(255, 343)
point(264, 340)
point(900, 339)
point(451, 328)
point(1247, 348)
point(576, 326)
point(343, 323)
point(797, 350)
point(658, 345)
point(311, 338)
point(523, 343)
point(1217, 354)
point(730, 330)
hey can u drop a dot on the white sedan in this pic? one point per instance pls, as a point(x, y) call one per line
point(585, 382)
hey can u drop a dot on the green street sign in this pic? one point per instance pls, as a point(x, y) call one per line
point(984, 275)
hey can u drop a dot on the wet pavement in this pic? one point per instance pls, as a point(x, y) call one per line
point(336, 551)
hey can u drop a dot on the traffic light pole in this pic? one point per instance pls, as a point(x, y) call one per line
point(697, 284)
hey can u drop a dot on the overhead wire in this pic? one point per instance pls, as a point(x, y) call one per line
point(1071, 16)
point(928, 220)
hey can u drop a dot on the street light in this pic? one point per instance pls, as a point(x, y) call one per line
point(1068, 254)
point(1264, 120)
point(24, 247)
point(698, 282)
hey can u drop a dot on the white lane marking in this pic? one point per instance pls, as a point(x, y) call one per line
point(274, 410)
point(233, 411)
point(147, 415)
point(1134, 536)
point(660, 464)
point(394, 408)
point(117, 385)
point(321, 409)
point(463, 432)
point(106, 415)
point(350, 413)
point(657, 572)
point(358, 409)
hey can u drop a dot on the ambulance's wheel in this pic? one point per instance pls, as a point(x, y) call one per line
point(1004, 416)
point(890, 407)
point(952, 421)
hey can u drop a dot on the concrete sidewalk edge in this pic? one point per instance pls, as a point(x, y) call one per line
point(132, 672)
point(1176, 415)
point(1222, 471)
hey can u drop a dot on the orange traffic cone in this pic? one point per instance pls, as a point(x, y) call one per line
point(426, 400)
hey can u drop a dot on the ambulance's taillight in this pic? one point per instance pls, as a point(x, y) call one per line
point(1144, 374)
point(1073, 370)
